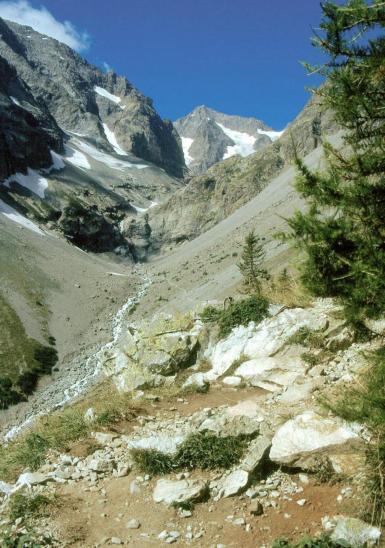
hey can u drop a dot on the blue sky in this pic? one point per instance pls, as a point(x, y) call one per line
point(239, 57)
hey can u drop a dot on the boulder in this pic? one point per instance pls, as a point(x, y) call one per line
point(272, 374)
point(264, 341)
point(32, 478)
point(243, 418)
point(299, 440)
point(179, 491)
point(351, 531)
point(256, 453)
point(160, 347)
point(232, 484)
point(232, 381)
point(163, 443)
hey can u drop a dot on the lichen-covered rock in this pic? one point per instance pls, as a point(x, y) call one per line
point(160, 347)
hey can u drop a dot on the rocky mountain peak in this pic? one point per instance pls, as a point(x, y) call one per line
point(209, 136)
point(83, 99)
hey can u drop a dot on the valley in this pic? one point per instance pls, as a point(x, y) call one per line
point(167, 373)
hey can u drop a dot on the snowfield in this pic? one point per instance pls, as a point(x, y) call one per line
point(14, 100)
point(76, 158)
point(15, 216)
point(104, 93)
point(186, 144)
point(273, 135)
point(105, 158)
point(33, 181)
point(244, 143)
point(111, 138)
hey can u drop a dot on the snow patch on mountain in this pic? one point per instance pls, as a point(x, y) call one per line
point(244, 143)
point(186, 144)
point(104, 93)
point(76, 158)
point(111, 138)
point(106, 159)
point(15, 216)
point(57, 161)
point(273, 135)
point(33, 181)
point(15, 101)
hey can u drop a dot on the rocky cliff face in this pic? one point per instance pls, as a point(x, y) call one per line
point(226, 186)
point(84, 100)
point(70, 141)
point(209, 136)
point(27, 130)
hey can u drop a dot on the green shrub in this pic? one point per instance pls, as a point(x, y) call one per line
point(47, 357)
point(201, 450)
point(150, 461)
point(208, 451)
point(23, 506)
point(8, 395)
point(365, 403)
point(251, 309)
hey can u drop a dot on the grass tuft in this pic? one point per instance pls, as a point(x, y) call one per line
point(200, 450)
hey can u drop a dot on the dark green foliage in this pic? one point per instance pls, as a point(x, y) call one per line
point(343, 232)
point(211, 314)
point(27, 382)
point(252, 258)
point(47, 357)
point(252, 309)
point(8, 395)
point(150, 461)
point(366, 404)
point(201, 450)
point(321, 542)
point(208, 451)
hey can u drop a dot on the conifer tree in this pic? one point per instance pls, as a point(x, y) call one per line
point(251, 265)
point(343, 231)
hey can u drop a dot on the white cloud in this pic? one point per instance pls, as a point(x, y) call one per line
point(107, 67)
point(41, 20)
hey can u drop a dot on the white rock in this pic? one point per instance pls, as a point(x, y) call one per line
point(32, 478)
point(104, 438)
point(271, 373)
point(133, 524)
point(301, 502)
point(232, 484)
point(255, 454)
point(265, 339)
point(354, 532)
point(232, 381)
point(6, 488)
point(116, 540)
point(162, 442)
point(308, 433)
point(169, 491)
point(90, 415)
